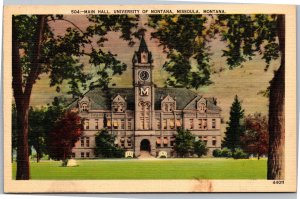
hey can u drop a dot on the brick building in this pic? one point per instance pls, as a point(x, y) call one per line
point(144, 117)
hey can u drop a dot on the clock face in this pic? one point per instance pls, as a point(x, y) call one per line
point(144, 75)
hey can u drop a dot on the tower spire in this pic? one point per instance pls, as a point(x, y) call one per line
point(143, 46)
point(143, 55)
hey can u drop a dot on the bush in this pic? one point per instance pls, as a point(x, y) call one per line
point(119, 152)
point(200, 148)
point(162, 156)
point(239, 154)
point(217, 153)
point(226, 153)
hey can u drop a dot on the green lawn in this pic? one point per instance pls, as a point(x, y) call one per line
point(205, 168)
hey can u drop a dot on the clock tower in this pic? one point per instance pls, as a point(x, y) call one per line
point(143, 89)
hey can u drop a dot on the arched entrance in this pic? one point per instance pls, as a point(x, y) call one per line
point(145, 145)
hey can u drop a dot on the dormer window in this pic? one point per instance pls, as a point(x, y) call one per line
point(84, 104)
point(119, 104)
point(201, 105)
point(84, 107)
point(202, 108)
point(168, 104)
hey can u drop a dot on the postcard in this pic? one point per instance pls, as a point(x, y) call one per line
point(149, 98)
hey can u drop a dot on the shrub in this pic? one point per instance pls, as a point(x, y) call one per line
point(162, 156)
point(239, 154)
point(217, 153)
point(200, 148)
point(226, 153)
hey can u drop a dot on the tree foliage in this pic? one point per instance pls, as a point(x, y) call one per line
point(239, 154)
point(185, 41)
point(37, 131)
point(184, 143)
point(66, 132)
point(244, 36)
point(200, 148)
point(256, 137)
point(37, 50)
point(235, 128)
point(105, 145)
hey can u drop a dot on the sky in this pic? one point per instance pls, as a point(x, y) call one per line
point(245, 81)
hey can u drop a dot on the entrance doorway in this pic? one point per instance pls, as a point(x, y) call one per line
point(145, 145)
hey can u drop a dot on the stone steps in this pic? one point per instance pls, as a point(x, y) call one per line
point(145, 155)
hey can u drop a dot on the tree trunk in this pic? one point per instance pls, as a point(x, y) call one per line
point(22, 94)
point(22, 150)
point(276, 167)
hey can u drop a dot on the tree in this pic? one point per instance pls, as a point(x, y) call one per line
point(200, 148)
point(184, 142)
point(235, 129)
point(66, 132)
point(105, 145)
point(37, 131)
point(256, 137)
point(37, 50)
point(245, 35)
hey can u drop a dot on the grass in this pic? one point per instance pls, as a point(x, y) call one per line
point(205, 168)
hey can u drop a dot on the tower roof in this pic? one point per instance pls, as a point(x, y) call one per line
point(143, 46)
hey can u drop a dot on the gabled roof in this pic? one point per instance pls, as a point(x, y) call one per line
point(185, 99)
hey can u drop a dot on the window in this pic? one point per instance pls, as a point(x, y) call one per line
point(213, 123)
point(204, 124)
point(87, 142)
point(165, 142)
point(115, 124)
point(82, 154)
point(87, 154)
point(205, 140)
point(122, 124)
point(129, 141)
point(202, 107)
point(172, 140)
point(87, 124)
point(164, 124)
point(82, 141)
point(191, 123)
point(120, 107)
point(166, 107)
point(158, 123)
point(84, 107)
point(178, 123)
point(73, 155)
point(214, 141)
point(158, 142)
point(109, 123)
point(200, 123)
point(122, 141)
point(96, 124)
point(172, 125)
point(171, 105)
point(115, 109)
point(129, 124)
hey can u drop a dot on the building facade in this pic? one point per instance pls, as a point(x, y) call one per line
point(144, 117)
